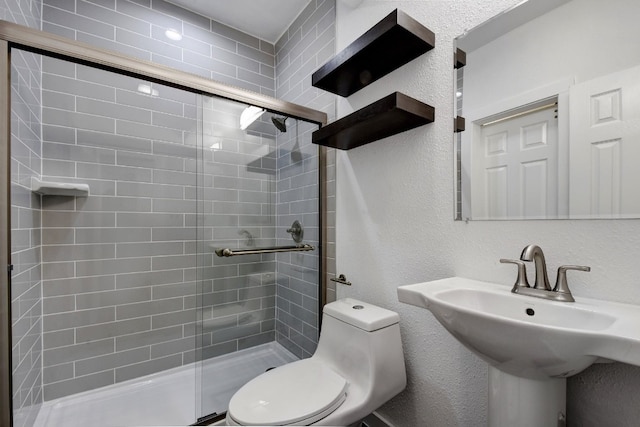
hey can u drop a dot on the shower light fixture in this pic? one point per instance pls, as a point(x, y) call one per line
point(173, 34)
point(250, 115)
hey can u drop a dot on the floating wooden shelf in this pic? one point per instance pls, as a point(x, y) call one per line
point(388, 45)
point(50, 188)
point(388, 116)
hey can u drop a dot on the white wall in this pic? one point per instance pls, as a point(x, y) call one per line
point(395, 226)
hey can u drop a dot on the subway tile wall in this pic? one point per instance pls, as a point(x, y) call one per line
point(122, 282)
point(25, 211)
point(119, 280)
point(306, 45)
point(239, 292)
point(23, 12)
point(26, 287)
point(137, 28)
point(120, 266)
point(100, 158)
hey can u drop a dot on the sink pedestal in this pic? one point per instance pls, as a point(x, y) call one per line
point(523, 402)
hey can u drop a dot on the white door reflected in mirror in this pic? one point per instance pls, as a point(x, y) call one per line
point(515, 166)
point(604, 146)
point(517, 160)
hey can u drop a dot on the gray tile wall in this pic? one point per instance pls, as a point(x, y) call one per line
point(239, 196)
point(137, 28)
point(307, 45)
point(26, 286)
point(119, 279)
point(120, 272)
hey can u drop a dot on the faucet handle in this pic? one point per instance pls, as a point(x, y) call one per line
point(561, 280)
point(521, 280)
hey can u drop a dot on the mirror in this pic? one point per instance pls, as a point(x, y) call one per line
point(550, 94)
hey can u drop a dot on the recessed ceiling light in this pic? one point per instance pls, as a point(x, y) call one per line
point(173, 34)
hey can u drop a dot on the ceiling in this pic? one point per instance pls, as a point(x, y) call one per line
point(265, 19)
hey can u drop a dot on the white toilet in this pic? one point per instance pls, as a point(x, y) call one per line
point(358, 366)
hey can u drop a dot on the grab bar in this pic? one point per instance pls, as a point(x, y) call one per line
point(226, 252)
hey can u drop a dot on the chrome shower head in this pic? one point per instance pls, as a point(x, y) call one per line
point(279, 122)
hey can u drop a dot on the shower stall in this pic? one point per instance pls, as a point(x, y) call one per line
point(162, 232)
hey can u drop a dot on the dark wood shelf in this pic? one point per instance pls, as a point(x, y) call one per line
point(388, 45)
point(388, 116)
point(458, 124)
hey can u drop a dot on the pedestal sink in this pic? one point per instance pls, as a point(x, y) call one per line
point(531, 344)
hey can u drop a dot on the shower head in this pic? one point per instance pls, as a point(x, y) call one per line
point(279, 122)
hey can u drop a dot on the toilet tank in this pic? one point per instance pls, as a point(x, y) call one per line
point(367, 317)
point(361, 342)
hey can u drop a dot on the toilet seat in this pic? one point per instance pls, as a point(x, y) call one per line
point(299, 393)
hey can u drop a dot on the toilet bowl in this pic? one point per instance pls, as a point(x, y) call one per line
point(358, 366)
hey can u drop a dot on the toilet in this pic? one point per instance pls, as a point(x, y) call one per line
point(358, 365)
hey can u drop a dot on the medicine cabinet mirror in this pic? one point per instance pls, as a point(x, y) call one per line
point(551, 98)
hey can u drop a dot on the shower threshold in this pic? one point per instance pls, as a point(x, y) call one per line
point(164, 398)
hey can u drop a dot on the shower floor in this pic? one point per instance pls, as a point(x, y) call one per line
point(165, 398)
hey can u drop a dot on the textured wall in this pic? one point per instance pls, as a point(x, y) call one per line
point(305, 46)
point(395, 227)
point(26, 287)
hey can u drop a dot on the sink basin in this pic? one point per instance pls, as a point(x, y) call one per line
point(530, 337)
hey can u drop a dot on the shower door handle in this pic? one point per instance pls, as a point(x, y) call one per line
point(227, 252)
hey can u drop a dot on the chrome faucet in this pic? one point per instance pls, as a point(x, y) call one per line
point(534, 253)
point(541, 288)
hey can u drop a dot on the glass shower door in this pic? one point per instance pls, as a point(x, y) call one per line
point(106, 279)
point(260, 309)
point(122, 190)
point(237, 296)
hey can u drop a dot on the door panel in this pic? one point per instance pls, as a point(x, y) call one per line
point(604, 146)
point(516, 167)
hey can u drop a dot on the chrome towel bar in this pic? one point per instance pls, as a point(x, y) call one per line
point(226, 252)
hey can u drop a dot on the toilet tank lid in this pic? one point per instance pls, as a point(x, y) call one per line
point(361, 314)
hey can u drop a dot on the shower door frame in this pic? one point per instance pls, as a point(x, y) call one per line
point(24, 38)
